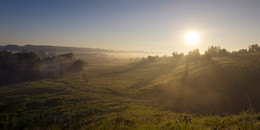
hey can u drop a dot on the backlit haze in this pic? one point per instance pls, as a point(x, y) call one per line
point(154, 25)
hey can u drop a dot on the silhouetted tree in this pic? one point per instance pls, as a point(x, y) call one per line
point(254, 48)
point(216, 51)
point(18, 67)
point(78, 65)
point(234, 53)
point(151, 59)
point(27, 66)
point(193, 55)
point(242, 51)
point(213, 50)
point(223, 52)
point(177, 55)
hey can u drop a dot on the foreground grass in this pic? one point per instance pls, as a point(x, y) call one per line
point(135, 96)
point(166, 120)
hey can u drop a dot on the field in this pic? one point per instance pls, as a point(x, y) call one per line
point(171, 93)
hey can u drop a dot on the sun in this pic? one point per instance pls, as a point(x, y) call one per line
point(191, 38)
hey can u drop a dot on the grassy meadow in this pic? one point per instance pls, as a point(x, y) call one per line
point(171, 93)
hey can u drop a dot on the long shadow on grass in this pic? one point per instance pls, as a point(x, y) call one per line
point(165, 69)
point(222, 86)
point(133, 67)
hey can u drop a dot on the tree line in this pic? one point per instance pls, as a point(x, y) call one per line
point(212, 51)
point(28, 66)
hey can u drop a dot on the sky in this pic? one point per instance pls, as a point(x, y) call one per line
point(143, 25)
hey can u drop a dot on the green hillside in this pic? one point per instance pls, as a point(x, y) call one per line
point(171, 93)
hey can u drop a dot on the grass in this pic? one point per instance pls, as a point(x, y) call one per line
point(170, 94)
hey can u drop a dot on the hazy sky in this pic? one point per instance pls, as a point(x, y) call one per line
point(149, 25)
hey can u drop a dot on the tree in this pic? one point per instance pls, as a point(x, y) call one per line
point(151, 59)
point(254, 48)
point(213, 50)
point(28, 60)
point(242, 51)
point(78, 65)
point(223, 52)
point(176, 55)
point(25, 66)
point(195, 52)
point(18, 67)
point(194, 55)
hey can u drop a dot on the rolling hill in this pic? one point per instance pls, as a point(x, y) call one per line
point(168, 94)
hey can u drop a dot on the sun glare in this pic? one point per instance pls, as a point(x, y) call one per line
point(191, 38)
